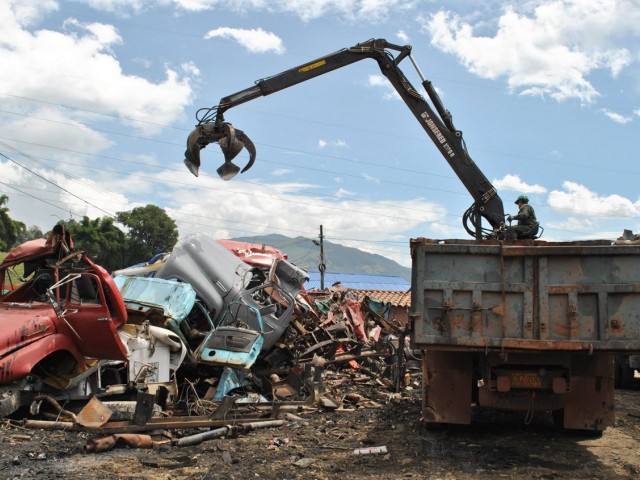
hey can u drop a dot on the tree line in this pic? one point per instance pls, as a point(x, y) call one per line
point(146, 231)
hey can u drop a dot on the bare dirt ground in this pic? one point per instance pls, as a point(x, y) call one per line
point(496, 445)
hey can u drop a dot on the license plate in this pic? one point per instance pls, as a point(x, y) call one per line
point(525, 380)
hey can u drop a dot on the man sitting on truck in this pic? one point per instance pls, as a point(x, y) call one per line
point(528, 225)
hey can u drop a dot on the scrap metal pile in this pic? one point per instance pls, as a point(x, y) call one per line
point(212, 334)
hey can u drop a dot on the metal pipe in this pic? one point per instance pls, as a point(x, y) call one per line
point(201, 437)
point(247, 427)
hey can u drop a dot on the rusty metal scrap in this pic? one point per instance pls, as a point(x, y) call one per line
point(335, 354)
point(97, 445)
point(336, 331)
point(39, 399)
point(332, 331)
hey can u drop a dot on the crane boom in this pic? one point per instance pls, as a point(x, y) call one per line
point(436, 121)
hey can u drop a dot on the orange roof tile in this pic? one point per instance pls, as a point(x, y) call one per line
point(397, 299)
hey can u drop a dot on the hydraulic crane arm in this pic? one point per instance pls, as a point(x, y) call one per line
point(437, 123)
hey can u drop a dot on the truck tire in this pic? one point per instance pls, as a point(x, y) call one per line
point(10, 398)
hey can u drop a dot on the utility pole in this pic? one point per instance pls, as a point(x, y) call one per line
point(322, 267)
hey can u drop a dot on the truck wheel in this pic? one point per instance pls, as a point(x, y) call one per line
point(10, 398)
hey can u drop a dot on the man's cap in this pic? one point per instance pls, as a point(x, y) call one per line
point(522, 198)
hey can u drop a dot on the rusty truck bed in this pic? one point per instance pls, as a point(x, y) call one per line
point(531, 295)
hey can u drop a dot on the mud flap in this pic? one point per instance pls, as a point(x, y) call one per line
point(446, 387)
point(590, 403)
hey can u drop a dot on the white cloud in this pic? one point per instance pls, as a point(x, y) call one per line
point(236, 208)
point(57, 130)
point(380, 81)
point(88, 76)
point(579, 199)
point(255, 40)
point(616, 117)
point(338, 143)
point(441, 228)
point(514, 182)
point(60, 195)
point(377, 80)
point(123, 6)
point(53, 71)
point(572, 224)
point(402, 36)
point(370, 178)
point(26, 12)
point(548, 50)
point(370, 11)
point(104, 35)
point(342, 193)
point(279, 172)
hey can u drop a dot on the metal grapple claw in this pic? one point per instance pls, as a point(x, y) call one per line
point(231, 143)
point(251, 148)
point(192, 153)
point(231, 146)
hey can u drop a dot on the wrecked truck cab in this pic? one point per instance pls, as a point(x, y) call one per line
point(173, 305)
point(164, 303)
point(59, 315)
point(168, 304)
point(234, 343)
point(262, 311)
point(219, 278)
point(238, 335)
point(214, 272)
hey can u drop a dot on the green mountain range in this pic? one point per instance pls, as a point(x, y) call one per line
point(337, 258)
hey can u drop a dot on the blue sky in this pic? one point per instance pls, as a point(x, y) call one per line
point(98, 96)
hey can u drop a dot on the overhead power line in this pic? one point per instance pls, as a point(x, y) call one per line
point(312, 121)
point(47, 180)
point(37, 198)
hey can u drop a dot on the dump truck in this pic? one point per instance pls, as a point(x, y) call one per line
point(527, 326)
point(520, 324)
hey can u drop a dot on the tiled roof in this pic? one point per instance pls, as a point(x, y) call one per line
point(397, 299)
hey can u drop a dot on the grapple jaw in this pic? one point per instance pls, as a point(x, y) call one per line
point(231, 142)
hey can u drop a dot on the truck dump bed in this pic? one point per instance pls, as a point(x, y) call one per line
point(531, 295)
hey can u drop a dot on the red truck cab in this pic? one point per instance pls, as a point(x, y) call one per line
point(59, 312)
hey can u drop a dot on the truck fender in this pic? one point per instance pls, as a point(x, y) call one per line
point(19, 364)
